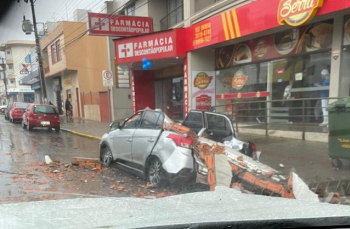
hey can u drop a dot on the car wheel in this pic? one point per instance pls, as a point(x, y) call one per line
point(24, 125)
point(57, 129)
point(155, 172)
point(106, 156)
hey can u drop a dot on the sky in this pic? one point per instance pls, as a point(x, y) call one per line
point(45, 10)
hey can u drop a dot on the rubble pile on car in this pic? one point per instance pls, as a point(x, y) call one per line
point(248, 175)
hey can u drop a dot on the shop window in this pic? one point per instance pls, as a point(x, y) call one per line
point(344, 86)
point(303, 73)
point(247, 78)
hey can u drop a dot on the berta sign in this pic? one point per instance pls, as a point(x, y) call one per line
point(152, 46)
point(297, 12)
point(116, 25)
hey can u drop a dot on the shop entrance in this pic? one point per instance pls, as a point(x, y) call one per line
point(169, 97)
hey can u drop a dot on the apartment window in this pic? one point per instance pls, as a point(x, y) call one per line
point(131, 10)
point(175, 12)
point(10, 66)
point(8, 52)
point(12, 81)
point(58, 50)
point(53, 53)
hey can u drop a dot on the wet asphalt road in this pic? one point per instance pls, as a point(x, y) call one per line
point(25, 177)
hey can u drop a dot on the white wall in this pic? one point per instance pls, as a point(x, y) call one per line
point(141, 8)
point(201, 4)
point(18, 55)
point(199, 60)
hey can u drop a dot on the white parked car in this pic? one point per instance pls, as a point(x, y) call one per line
point(144, 147)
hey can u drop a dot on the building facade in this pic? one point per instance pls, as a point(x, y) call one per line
point(219, 52)
point(17, 67)
point(73, 63)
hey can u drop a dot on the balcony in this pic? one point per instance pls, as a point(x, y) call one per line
point(172, 18)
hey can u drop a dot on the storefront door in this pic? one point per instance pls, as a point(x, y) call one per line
point(169, 97)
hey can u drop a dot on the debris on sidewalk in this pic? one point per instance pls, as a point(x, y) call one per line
point(93, 163)
point(47, 159)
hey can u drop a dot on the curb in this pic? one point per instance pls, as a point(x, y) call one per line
point(82, 134)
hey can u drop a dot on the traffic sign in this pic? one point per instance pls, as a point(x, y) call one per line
point(107, 78)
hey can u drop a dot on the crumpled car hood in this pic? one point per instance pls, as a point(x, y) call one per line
point(221, 205)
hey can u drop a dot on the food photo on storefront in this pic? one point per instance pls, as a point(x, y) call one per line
point(281, 50)
point(285, 51)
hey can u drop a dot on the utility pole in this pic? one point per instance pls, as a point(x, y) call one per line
point(3, 66)
point(38, 50)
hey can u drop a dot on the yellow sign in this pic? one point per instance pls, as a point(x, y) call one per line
point(67, 82)
point(297, 12)
point(202, 34)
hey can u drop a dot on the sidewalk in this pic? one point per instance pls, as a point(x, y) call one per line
point(84, 128)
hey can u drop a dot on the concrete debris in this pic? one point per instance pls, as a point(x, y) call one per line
point(48, 159)
point(243, 173)
point(93, 163)
point(56, 171)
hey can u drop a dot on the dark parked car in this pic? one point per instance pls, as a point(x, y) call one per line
point(2, 109)
point(7, 111)
point(41, 115)
point(16, 111)
point(219, 128)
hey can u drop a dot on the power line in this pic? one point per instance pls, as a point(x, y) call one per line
point(98, 24)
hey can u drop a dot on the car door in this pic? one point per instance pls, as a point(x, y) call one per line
point(218, 126)
point(194, 120)
point(123, 137)
point(146, 136)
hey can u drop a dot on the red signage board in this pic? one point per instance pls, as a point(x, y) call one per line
point(248, 19)
point(117, 25)
point(151, 46)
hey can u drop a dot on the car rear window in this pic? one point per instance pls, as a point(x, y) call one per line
point(44, 110)
point(21, 105)
point(218, 122)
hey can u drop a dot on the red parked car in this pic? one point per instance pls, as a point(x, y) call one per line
point(41, 115)
point(16, 111)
